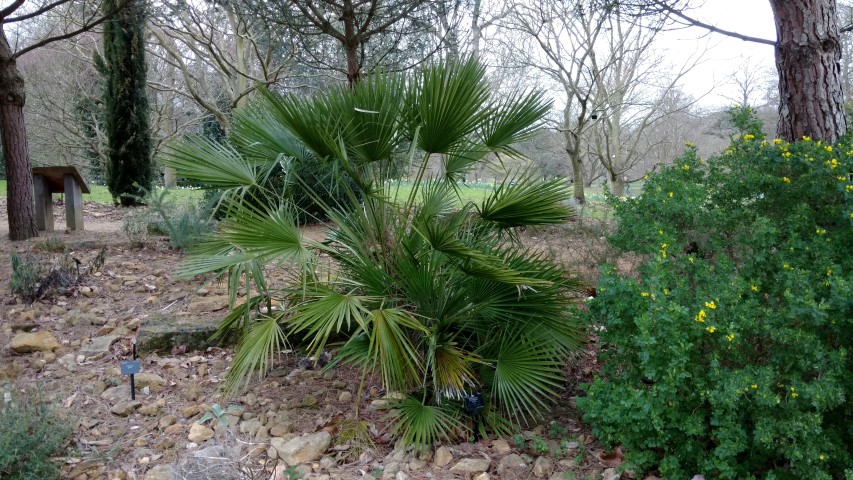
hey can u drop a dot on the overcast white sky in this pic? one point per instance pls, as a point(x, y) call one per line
point(725, 54)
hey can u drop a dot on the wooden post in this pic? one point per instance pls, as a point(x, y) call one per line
point(44, 203)
point(73, 203)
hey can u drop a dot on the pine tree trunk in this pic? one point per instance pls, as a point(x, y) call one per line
point(808, 54)
point(19, 206)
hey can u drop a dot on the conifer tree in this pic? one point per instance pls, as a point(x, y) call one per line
point(129, 166)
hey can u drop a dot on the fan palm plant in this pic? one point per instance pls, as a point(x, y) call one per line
point(438, 299)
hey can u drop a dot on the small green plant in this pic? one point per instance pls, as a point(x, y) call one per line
point(376, 473)
point(291, 473)
point(50, 245)
point(519, 440)
point(184, 224)
point(556, 431)
point(31, 432)
point(135, 226)
point(216, 412)
point(539, 445)
point(25, 276)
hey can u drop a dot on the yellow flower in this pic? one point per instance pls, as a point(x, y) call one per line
point(644, 294)
point(840, 178)
point(660, 232)
point(748, 136)
point(711, 305)
point(666, 291)
point(787, 266)
point(786, 179)
point(820, 231)
point(730, 337)
point(833, 164)
point(711, 329)
point(777, 141)
point(851, 215)
point(828, 148)
point(645, 177)
point(700, 317)
point(821, 458)
point(670, 194)
point(786, 154)
point(685, 167)
point(794, 395)
point(828, 271)
point(689, 144)
point(754, 288)
point(754, 386)
point(806, 138)
point(849, 188)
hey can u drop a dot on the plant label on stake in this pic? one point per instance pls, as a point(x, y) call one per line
point(131, 368)
point(473, 404)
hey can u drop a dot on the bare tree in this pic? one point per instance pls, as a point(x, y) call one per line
point(750, 82)
point(808, 51)
point(61, 13)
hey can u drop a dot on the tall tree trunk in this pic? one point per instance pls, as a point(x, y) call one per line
point(19, 206)
point(573, 149)
point(351, 42)
point(808, 54)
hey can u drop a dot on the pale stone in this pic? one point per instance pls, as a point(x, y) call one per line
point(443, 457)
point(345, 397)
point(151, 380)
point(543, 467)
point(511, 462)
point(199, 433)
point(501, 447)
point(304, 449)
point(471, 465)
point(482, 476)
point(26, 342)
point(98, 345)
point(160, 472)
point(124, 409)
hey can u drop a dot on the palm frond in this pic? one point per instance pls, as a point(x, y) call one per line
point(513, 119)
point(256, 352)
point(449, 368)
point(324, 312)
point(525, 373)
point(208, 163)
point(528, 200)
point(392, 349)
point(423, 425)
point(448, 101)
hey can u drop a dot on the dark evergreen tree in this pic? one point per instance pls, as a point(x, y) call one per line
point(129, 166)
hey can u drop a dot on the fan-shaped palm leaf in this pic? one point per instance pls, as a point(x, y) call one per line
point(208, 163)
point(256, 351)
point(527, 200)
point(423, 425)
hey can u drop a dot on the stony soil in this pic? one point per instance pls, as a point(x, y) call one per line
point(115, 438)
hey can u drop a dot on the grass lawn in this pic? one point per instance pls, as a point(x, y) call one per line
point(101, 194)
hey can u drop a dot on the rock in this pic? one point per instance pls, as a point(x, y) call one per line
point(190, 411)
point(250, 427)
point(417, 464)
point(471, 465)
point(199, 433)
point(124, 409)
point(160, 472)
point(150, 410)
point(26, 342)
point(78, 318)
point(207, 304)
point(328, 462)
point(176, 428)
point(165, 444)
point(160, 333)
point(501, 447)
point(543, 467)
point(511, 463)
point(443, 457)
point(277, 444)
point(345, 397)
point(308, 401)
point(280, 429)
point(166, 421)
point(338, 385)
point(304, 449)
point(68, 362)
point(612, 474)
point(150, 380)
point(390, 471)
point(401, 476)
point(482, 476)
point(114, 394)
point(98, 345)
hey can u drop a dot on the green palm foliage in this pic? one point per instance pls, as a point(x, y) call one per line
point(436, 299)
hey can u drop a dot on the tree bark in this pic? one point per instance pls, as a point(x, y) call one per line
point(808, 54)
point(13, 130)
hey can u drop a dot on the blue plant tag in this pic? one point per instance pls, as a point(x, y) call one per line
point(130, 367)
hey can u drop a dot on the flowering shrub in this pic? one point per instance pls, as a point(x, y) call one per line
point(730, 354)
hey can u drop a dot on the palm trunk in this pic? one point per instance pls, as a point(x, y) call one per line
point(13, 130)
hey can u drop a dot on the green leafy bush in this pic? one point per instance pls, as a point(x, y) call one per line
point(31, 432)
point(730, 354)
